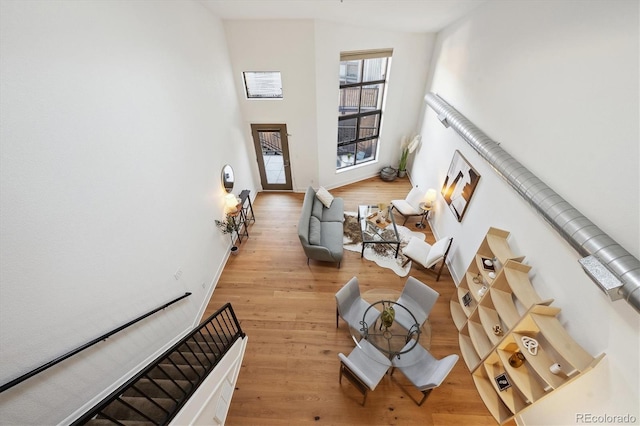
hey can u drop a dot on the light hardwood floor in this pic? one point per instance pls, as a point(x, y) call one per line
point(289, 375)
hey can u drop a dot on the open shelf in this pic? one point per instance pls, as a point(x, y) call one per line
point(479, 338)
point(510, 396)
point(469, 354)
point(457, 313)
point(512, 303)
point(494, 403)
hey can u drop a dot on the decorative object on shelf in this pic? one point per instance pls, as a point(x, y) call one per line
point(497, 330)
point(555, 369)
point(388, 174)
point(459, 185)
point(408, 146)
point(466, 299)
point(492, 275)
point(531, 344)
point(503, 382)
point(387, 316)
point(516, 359)
point(482, 290)
point(488, 264)
point(477, 279)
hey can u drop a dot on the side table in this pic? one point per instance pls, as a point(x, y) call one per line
point(425, 213)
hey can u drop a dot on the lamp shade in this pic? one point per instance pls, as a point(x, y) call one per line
point(430, 196)
point(230, 202)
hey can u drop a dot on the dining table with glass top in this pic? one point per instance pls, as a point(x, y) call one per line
point(386, 334)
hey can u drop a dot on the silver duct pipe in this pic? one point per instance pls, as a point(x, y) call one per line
point(615, 270)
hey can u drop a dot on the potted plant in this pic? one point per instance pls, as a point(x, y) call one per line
point(408, 146)
point(227, 226)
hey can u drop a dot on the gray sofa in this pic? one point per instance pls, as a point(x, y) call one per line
point(320, 228)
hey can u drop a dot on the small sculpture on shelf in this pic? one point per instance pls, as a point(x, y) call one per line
point(516, 360)
point(531, 344)
point(497, 330)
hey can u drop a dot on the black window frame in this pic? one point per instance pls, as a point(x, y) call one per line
point(351, 146)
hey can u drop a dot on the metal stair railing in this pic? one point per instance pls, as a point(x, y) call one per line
point(157, 393)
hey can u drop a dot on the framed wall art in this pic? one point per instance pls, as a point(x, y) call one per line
point(459, 185)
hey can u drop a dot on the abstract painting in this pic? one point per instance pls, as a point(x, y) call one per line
point(459, 185)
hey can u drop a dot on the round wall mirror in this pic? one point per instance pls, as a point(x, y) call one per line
point(227, 178)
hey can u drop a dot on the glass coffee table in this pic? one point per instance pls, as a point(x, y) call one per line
point(374, 232)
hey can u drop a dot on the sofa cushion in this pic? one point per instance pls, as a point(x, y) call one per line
point(331, 238)
point(324, 196)
point(317, 209)
point(335, 213)
point(314, 231)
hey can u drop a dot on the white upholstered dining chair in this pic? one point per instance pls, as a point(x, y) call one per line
point(351, 307)
point(364, 367)
point(419, 299)
point(425, 371)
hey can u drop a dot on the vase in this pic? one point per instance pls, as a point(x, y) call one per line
point(387, 316)
point(234, 250)
point(402, 173)
point(516, 360)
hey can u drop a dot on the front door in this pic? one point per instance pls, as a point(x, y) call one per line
point(272, 152)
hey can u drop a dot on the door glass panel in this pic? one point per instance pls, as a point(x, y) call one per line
point(272, 155)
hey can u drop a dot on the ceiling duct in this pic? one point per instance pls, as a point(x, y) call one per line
point(609, 265)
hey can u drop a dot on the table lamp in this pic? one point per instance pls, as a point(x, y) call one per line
point(230, 203)
point(430, 197)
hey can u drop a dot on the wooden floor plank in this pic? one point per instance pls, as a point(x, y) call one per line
point(287, 308)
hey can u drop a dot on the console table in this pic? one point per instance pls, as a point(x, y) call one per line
point(244, 217)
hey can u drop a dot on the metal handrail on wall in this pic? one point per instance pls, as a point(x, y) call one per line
point(157, 393)
point(87, 345)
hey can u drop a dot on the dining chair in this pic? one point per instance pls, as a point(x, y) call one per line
point(351, 307)
point(425, 371)
point(410, 206)
point(364, 367)
point(419, 299)
point(427, 255)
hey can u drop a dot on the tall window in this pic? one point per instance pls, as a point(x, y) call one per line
point(363, 78)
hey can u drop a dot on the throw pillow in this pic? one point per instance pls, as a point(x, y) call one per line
point(324, 196)
point(314, 231)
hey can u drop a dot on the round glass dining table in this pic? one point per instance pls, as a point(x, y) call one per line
point(391, 338)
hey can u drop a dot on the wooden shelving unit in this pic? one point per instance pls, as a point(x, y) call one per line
point(492, 323)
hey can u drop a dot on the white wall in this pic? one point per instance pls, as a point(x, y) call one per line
point(307, 53)
point(285, 46)
point(403, 101)
point(116, 121)
point(556, 83)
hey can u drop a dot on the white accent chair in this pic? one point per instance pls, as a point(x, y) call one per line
point(428, 255)
point(364, 367)
point(410, 206)
point(351, 307)
point(419, 299)
point(423, 369)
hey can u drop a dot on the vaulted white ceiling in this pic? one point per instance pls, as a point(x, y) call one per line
point(396, 15)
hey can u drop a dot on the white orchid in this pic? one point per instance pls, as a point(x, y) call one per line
point(408, 147)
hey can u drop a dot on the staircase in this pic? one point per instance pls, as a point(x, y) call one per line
point(156, 394)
